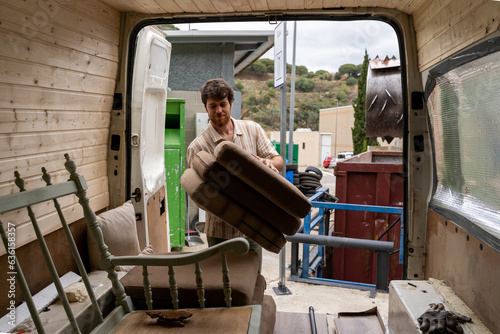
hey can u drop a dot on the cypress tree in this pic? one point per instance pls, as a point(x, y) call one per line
point(359, 139)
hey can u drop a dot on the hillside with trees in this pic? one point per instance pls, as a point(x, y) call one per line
point(313, 91)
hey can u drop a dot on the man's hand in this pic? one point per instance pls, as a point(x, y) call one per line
point(267, 162)
point(437, 320)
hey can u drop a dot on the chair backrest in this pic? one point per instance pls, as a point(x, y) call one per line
point(27, 199)
point(76, 185)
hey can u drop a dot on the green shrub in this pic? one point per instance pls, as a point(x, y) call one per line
point(351, 81)
point(304, 84)
point(323, 75)
point(238, 84)
point(345, 88)
point(270, 83)
point(341, 95)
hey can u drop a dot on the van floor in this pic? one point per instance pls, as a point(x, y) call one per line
point(327, 301)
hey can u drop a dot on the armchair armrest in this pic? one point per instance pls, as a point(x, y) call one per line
point(239, 246)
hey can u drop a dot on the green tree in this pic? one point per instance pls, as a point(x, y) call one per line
point(359, 139)
point(349, 69)
point(269, 64)
point(258, 67)
point(300, 70)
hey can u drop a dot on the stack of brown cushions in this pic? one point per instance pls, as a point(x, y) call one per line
point(239, 189)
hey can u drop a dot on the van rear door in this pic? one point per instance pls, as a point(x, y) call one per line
point(149, 94)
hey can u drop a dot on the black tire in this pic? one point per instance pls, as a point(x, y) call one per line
point(292, 167)
point(308, 178)
point(311, 184)
point(315, 170)
point(310, 175)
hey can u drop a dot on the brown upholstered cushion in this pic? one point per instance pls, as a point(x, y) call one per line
point(219, 177)
point(119, 231)
point(260, 287)
point(231, 212)
point(260, 177)
point(243, 273)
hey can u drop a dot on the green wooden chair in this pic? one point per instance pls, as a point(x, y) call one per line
point(123, 318)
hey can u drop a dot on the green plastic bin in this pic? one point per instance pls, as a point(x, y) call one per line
point(295, 153)
point(175, 157)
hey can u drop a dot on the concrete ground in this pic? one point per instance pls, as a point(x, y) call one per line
point(326, 300)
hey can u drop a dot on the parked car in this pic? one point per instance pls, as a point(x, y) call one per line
point(328, 161)
point(340, 157)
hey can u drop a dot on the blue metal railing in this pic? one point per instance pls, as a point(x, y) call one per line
point(322, 240)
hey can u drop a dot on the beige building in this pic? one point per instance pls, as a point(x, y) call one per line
point(308, 143)
point(341, 120)
point(338, 122)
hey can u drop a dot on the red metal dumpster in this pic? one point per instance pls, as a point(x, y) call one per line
point(369, 178)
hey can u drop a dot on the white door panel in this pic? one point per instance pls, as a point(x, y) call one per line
point(149, 94)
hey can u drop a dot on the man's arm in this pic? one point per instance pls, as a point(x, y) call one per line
point(275, 163)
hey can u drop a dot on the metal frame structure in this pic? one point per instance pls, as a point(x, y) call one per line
point(321, 219)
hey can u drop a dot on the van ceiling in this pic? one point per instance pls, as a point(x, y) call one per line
point(245, 6)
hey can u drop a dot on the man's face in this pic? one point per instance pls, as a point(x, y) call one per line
point(219, 111)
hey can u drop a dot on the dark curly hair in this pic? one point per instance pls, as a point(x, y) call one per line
point(216, 89)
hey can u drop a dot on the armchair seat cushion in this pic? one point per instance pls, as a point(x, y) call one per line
point(257, 175)
point(243, 272)
point(216, 202)
point(245, 195)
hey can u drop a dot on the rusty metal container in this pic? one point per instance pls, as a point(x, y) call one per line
point(369, 178)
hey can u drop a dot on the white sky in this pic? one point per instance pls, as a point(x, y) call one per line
point(324, 45)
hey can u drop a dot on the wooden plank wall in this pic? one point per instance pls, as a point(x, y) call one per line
point(467, 265)
point(447, 26)
point(59, 62)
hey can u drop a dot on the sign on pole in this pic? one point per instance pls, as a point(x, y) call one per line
point(279, 55)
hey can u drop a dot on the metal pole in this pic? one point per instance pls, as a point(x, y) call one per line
point(336, 126)
point(366, 244)
point(292, 98)
point(282, 289)
point(314, 330)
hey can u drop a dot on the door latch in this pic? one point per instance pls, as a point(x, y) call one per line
point(134, 139)
point(136, 195)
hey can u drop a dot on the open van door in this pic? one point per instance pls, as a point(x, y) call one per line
point(149, 94)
